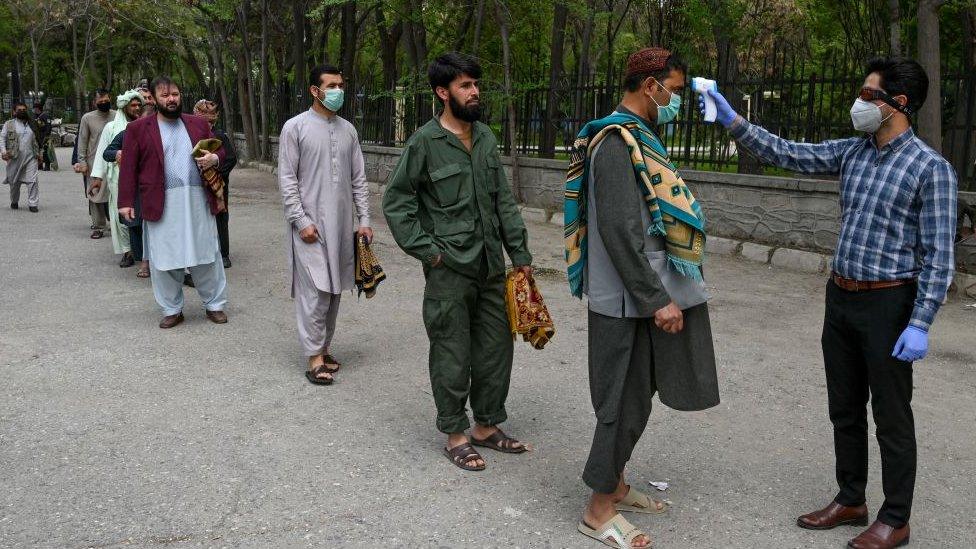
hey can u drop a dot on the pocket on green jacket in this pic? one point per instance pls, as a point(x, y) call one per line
point(445, 183)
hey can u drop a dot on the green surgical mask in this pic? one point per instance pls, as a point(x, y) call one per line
point(670, 111)
point(333, 99)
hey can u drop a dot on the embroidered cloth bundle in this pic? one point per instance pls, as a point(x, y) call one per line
point(527, 312)
point(369, 274)
point(211, 177)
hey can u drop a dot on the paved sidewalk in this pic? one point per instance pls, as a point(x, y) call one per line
point(114, 433)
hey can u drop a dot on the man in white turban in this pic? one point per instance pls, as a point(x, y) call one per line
point(107, 173)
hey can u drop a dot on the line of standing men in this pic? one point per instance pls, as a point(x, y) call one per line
point(635, 246)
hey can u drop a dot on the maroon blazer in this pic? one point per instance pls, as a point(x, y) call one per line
point(142, 164)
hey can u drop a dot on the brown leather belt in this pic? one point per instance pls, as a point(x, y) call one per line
point(851, 285)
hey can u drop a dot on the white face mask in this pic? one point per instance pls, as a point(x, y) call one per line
point(867, 117)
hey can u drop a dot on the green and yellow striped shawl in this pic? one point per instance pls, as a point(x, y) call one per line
point(674, 212)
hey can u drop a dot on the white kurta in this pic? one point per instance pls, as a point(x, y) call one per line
point(186, 234)
point(322, 177)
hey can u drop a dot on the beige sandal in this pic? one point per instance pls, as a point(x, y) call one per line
point(620, 532)
point(638, 502)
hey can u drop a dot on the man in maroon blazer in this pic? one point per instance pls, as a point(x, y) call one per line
point(159, 174)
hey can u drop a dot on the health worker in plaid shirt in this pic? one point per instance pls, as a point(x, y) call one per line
point(891, 271)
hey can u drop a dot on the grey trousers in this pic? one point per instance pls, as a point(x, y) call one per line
point(209, 280)
point(621, 386)
point(315, 312)
point(32, 193)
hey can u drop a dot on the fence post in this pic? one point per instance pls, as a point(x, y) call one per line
point(811, 96)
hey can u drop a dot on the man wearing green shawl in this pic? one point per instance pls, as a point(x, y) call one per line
point(107, 173)
point(634, 244)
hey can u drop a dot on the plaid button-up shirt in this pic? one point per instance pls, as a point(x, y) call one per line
point(898, 207)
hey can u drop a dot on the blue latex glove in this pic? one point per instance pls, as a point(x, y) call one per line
point(725, 115)
point(913, 344)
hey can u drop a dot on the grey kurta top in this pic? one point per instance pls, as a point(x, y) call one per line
point(23, 168)
point(633, 290)
point(322, 177)
point(89, 132)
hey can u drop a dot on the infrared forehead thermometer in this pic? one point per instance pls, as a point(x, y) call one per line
point(701, 86)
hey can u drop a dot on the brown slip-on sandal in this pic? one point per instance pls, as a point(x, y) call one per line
point(313, 376)
point(462, 454)
point(500, 442)
point(96, 234)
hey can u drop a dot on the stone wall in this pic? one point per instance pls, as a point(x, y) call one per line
point(777, 211)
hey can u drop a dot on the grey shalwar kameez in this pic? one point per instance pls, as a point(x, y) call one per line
point(22, 169)
point(322, 177)
point(630, 358)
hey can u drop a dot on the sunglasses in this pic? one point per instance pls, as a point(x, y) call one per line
point(871, 94)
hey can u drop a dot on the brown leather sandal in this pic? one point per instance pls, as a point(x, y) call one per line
point(463, 455)
point(332, 364)
point(500, 442)
point(314, 373)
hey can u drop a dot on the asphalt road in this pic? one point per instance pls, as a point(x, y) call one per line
point(114, 433)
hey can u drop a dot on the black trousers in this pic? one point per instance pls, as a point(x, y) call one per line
point(222, 219)
point(621, 386)
point(860, 331)
point(135, 241)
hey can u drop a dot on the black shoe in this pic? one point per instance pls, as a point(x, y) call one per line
point(227, 263)
point(14, 206)
point(188, 280)
point(32, 208)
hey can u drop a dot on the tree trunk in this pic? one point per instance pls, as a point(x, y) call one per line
point(551, 122)
point(894, 28)
point(298, 50)
point(265, 132)
point(510, 140)
point(583, 61)
point(347, 41)
point(930, 115)
point(389, 37)
point(34, 63)
point(478, 27)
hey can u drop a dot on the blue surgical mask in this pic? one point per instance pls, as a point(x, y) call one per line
point(670, 111)
point(333, 99)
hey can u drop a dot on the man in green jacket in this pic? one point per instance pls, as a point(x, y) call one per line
point(448, 204)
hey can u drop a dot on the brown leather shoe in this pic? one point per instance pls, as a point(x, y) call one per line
point(217, 317)
point(881, 536)
point(833, 516)
point(171, 321)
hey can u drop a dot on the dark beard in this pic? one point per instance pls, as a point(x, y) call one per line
point(171, 114)
point(467, 114)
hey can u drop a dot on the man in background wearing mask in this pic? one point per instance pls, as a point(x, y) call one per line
point(449, 205)
point(106, 172)
point(20, 149)
point(89, 133)
point(322, 177)
point(892, 268)
point(635, 239)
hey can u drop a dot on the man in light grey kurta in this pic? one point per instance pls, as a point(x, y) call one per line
point(19, 148)
point(322, 178)
point(89, 132)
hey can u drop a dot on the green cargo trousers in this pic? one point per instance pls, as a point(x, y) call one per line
point(470, 347)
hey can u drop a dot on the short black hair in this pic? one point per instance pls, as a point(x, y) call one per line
point(38, 105)
point(315, 76)
point(18, 104)
point(100, 92)
point(161, 81)
point(901, 76)
point(632, 82)
point(447, 67)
